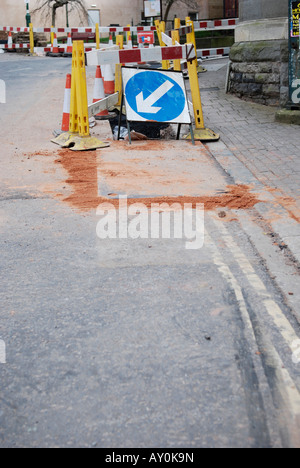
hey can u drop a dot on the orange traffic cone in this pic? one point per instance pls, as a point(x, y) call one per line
point(111, 42)
point(55, 49)
point(69, 45)
point(108, 78)
point(67, 103)
point(99, 93)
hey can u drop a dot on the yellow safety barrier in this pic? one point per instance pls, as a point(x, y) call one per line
point(97, 37)
point(176, 38)
point(200, 133)
point(191, 39)
point(52, 36)
point(161, 27)
point(118, 74)
point(78, 138)
point(177, 23)
point(31, 37)
point(128, 34)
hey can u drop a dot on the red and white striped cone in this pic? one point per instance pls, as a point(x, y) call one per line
point(111, 42)
point(67, 103)
point(55, 49)
point(108, 78)
point(129, 42)
point(9, 40)
point(69, 44)
point(99, 93)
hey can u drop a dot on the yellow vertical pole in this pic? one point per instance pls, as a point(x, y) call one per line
point(165, 63)
point(31, 36)
point(200, 133)
point(191, 38)
point(52, 36)
point(175, 37)
point(73, 126)
point(97, 37)
point(177, 23)
point(128, 32)
point(161, 27)
point(196, 96)
point(118, 75)
point(78, 70)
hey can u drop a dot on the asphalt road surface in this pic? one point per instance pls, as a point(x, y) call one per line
point(134, 342)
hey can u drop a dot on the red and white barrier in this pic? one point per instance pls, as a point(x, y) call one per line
point(155, 54)
point(61, 48)
point(102, 30)
point(204, 53)
point(198, 26)
point(216, 24)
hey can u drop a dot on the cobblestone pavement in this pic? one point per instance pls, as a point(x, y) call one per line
point(270, 150)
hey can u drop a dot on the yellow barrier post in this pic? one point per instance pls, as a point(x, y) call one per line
point(161, 27)
point(177, 23)
point(78, 138)
point(52, 36)
point(176, 38)
point(191, 39)
point(31, 37)
point(118, 74)
point(200, 133)
point(97, 36)
point(128, 35)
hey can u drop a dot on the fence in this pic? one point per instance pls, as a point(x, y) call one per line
point(223, 24)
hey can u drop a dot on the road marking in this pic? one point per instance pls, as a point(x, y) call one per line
point(18, 70)
point(278, 317)
point(289, 405)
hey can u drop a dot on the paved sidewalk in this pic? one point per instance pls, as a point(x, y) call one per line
point(270, 150)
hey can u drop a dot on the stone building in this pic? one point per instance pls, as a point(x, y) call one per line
point(259, 69)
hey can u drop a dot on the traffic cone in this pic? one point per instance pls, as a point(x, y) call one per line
point(111, 42)
point(69, 44)
point(67, 103)
point(99, 93)
point(55, 49)
point(129, 42)
point(108, 78)
point(9, 40)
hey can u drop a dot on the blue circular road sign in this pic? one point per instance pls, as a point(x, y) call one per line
point(155, 96)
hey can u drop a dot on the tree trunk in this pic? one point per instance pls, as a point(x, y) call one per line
point(169, 5)
point(53, 16)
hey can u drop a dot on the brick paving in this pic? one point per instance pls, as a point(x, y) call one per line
point(270, 150)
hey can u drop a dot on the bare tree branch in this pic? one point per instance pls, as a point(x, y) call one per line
point(190, 3)
point(50, 7)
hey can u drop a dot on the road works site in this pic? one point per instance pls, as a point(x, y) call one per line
point(118, 329)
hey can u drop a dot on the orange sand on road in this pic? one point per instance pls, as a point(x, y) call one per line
point(83, 178)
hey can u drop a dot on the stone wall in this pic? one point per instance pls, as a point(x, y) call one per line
point(259, 71)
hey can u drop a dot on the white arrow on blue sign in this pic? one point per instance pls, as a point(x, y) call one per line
point(155, 95)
